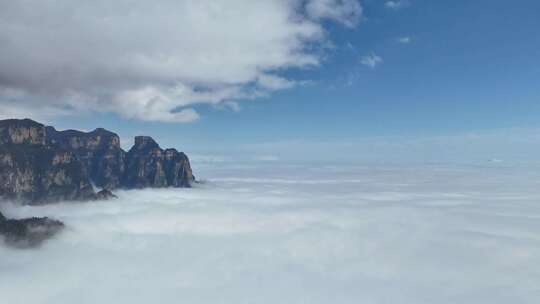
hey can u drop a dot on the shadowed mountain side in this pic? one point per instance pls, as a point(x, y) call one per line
point(39, 164)
point(147, 165)
point(98, 151)
point(28, 233)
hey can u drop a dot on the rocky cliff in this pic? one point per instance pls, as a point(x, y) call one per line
point(39, 164)
point(147, 165)
point(98, 151)
point(33, 171)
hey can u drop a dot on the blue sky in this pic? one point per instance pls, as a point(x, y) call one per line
point(439, 69)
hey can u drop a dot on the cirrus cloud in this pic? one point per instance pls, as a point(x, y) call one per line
point(371, 61)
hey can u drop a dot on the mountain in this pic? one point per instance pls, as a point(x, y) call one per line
point(39, 164)
point(147, 165)
point(98, 151)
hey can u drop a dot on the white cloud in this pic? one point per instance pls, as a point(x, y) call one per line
point(372, 60)
point(154, 61)
point(272, 82)
point(347, 12)
point(404, 40)
point(396, 4)
point(294, 234)
point(233, 105)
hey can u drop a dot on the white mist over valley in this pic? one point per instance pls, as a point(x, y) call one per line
point(275, 233)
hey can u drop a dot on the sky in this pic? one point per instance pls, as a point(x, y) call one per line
point(295, 80)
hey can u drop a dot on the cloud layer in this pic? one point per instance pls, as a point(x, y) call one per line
point(294, 234)
point(152, 61)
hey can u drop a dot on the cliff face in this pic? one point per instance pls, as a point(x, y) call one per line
point(98, 151)
point(39, 164)
point(25, 131)
point(32, 171)
point(147, 165)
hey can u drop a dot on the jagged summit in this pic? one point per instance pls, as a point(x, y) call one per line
point(148, 164)
point(40, 164)
point(144, 143)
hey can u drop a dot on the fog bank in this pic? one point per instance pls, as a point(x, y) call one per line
point(294, 234)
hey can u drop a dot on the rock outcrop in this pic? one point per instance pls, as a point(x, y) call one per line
point(24, 131)
point(28, 233)
point(105, 195)
point(147, 165)
point(98, 151)
point(32, 171)
point(39, 164)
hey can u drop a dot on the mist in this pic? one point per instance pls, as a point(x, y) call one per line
point(268, 233)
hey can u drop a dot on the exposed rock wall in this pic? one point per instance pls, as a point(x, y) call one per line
point(39, 164)
point(34, 172)
point(99, 152)
point(25, 131)
point(147, 165)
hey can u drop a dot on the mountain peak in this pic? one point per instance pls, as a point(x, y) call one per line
point(145, 143)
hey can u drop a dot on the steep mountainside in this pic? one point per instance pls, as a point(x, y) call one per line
point(39, 164)
point(33, 171)
point(99, 152)
point(147, 165)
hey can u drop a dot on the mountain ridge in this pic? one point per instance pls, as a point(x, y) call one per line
point(39, 164)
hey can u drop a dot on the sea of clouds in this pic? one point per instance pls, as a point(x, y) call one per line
point(273, 233)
